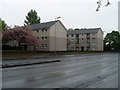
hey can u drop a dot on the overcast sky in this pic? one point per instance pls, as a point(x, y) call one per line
point(73, 13)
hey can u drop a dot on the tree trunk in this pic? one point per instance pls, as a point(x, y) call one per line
point(19, 45)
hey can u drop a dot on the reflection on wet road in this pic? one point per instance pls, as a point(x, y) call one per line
point(74, 71)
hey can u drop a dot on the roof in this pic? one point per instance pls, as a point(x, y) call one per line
point(40, 26)
point(84, 31)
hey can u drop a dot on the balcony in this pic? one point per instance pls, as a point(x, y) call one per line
point(77, 36)
point(88, 43)
point(88, 36)
point(77, 45)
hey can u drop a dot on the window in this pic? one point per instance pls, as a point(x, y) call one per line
point(67, 35)
point(77, 47)
point(44, 30)
point(72, 35)
point(82, 38)
point(68, 44)
point(88, 38)
point(72, 40)
point(37, 46)
point(93, 38)
point(77, 42)
point(45, 45)
point(88, 33)
point(42, 38)
point(77, 35)
point(45, 37)
point(37, 30)
point(88, 48)
point(72, 47)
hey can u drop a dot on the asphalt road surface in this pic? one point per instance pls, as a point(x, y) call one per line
point(74, 71)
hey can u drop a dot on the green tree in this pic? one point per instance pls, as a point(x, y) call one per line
point(32, 18)
point(70, 29)
point(77, 29)
point(112, 41)
point(3, 25)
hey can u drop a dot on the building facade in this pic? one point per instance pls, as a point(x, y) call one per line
point(52, 36)
point(85, 40)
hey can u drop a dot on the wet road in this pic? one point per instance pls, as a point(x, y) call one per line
point(74, 71)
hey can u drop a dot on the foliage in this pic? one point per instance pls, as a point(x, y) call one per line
point(32, 18)
point(3, 25)
point(70, 29)
point(0, 38)
point(112, 41)
point(76, 29)
point(22, 35)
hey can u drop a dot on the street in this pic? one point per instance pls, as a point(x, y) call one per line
point(74, 71)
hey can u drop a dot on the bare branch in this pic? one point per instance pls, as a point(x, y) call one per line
point(108, 3)
point(100, 4)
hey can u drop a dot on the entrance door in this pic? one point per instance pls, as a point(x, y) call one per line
point(25, 47)
point(82, 48)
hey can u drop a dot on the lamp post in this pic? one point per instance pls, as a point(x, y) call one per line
point(55, 33)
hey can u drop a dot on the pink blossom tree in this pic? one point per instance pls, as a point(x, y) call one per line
point(22, 35)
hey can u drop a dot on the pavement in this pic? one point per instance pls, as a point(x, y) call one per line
point(73, 71)
point(8, 62)
point(16, 61)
